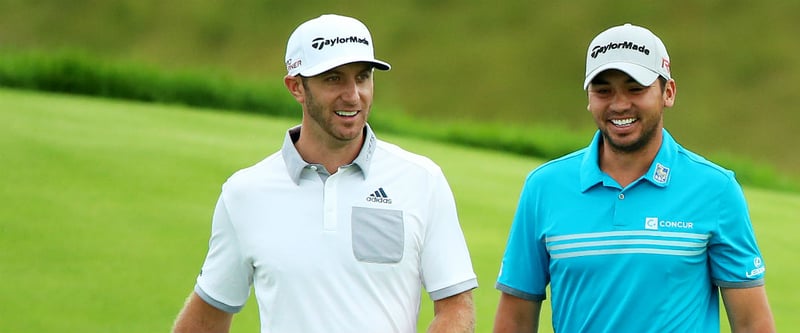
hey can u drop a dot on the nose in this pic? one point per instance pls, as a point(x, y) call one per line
point(620, 102)
point(351, 93)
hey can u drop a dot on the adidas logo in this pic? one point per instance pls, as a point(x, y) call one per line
point(379, 197)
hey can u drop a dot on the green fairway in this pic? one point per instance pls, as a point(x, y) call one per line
point(107, 206)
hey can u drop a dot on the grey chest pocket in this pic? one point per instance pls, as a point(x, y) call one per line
point(378, 235)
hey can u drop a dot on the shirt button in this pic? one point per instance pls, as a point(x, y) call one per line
point(621, 196)
point(314, 167)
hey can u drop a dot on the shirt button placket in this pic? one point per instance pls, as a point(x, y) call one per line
point(330, 201)
point(619, 211)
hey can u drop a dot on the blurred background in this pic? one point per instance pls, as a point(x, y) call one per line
point(107, 202)
point(736, 63)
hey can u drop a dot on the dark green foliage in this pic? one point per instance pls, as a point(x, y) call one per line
point(77, 73)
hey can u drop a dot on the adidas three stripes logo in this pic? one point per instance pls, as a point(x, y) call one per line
point(379, 197)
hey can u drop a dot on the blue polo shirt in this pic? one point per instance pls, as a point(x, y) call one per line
point(645, 258)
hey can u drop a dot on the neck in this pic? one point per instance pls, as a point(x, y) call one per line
point(331, 153)
point(626, 167)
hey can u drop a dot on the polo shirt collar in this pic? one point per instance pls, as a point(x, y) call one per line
point(658, 174)
point(295, 163)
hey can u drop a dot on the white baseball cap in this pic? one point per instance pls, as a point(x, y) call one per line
point(628, 48)
point(329, 41)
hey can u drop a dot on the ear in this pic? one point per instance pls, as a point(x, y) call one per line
point(295, 86)
point(670, 91)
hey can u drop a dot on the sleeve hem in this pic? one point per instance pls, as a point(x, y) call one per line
point(518, 293)
point(454, 289)
point(215, 303)
point(740, 284)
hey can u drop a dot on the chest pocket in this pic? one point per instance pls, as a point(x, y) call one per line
point(378, 235)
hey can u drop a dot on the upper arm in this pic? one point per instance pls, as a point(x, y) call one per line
point(748, 309)
point(445, 261)
point(227, 273)
point(515, 314)
point(198, 316)
point(454, 314)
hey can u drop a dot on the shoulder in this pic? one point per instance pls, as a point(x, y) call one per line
point(698, 167)
point(268, 168)
point(690, 166)
point(566, 166)
point(391, 155)
point(695, 175)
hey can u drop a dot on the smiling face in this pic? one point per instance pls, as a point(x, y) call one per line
point(628, 114)
point(336, 103)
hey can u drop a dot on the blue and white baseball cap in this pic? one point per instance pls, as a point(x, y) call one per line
point(329, 41)
point(631, 49)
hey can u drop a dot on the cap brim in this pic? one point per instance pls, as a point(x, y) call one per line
point(642, 75)
point(327, 65)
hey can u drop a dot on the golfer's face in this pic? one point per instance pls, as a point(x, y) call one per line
point(339, 100)
point(627, 113)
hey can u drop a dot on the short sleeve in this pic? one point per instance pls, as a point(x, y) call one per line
point(445, 261)
point(524, 268)
point(734, 256)
point(226, 277)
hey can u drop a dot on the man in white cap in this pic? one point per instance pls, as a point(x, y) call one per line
point(634, 233)
point(338, 231)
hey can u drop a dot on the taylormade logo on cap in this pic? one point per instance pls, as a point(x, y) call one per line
point(329, 41)
point(320, 42)
point(628, 48)
point(624, 45)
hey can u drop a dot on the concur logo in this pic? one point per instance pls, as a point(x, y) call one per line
point(654, 223)
point(320, 42)
point(651, 223)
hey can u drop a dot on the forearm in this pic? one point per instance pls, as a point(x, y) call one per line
point(516, 315)
point(464, 324)
point(765, 327)
point(766, 324)
point(748, 310)
point(455, 314)
point(199, 317)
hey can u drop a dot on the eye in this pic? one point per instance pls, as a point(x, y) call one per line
point(601, 90)
point(637, 89)
point(364, 76)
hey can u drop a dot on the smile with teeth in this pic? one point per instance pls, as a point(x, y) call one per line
point(623, 122)
point(346, 113)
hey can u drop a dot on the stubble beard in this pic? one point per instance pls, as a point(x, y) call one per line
point(318, 115)
point(645, 138)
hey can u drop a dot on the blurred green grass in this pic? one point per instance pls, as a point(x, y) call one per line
point(107, 208)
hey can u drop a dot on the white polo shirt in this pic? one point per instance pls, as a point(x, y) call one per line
point(347, 252)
